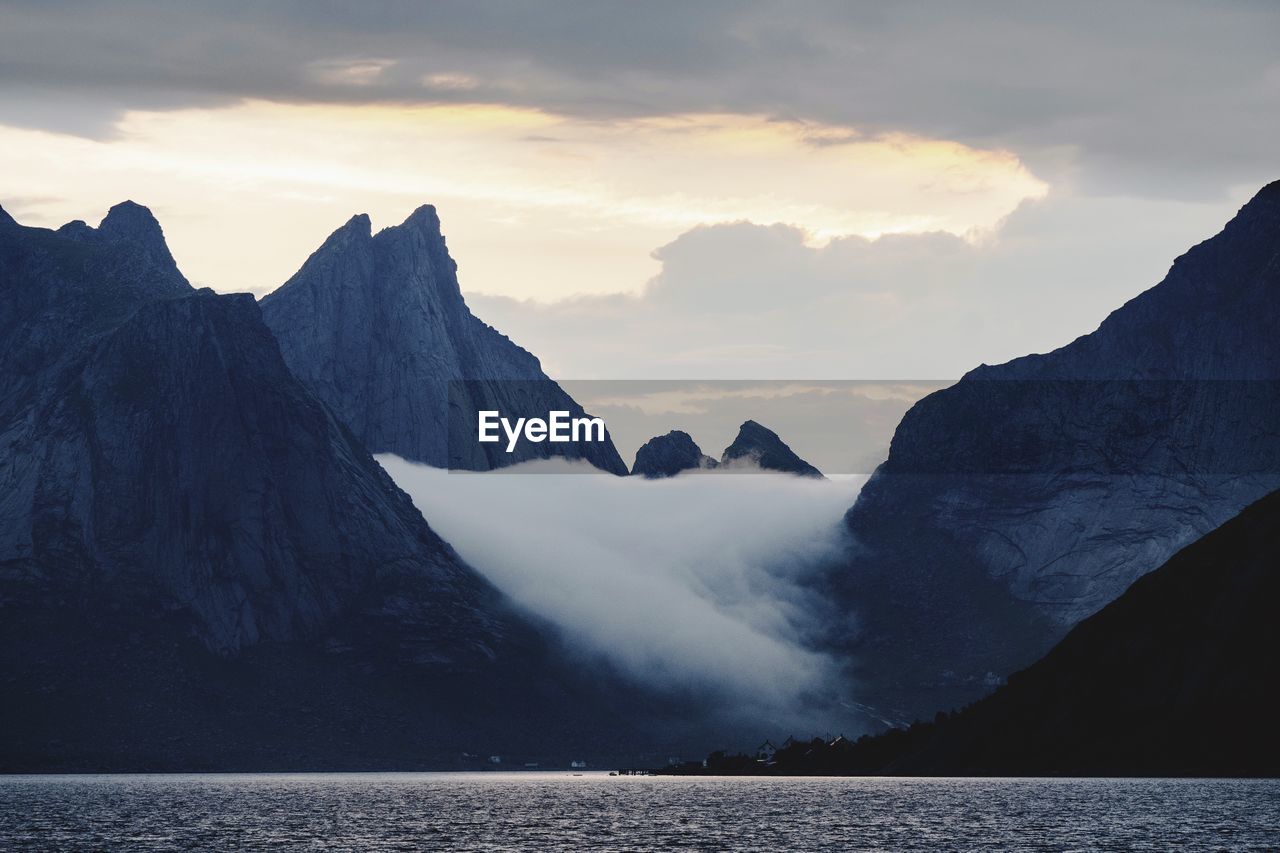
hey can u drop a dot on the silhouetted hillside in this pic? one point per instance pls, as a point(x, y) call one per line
point(1176, 677)
point(1028, 495)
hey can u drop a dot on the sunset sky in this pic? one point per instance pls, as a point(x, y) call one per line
point(715, 190)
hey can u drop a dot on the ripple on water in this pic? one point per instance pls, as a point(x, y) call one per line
point(547, 811)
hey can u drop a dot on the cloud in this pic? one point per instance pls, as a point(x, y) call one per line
point(750, 302)
point(562, 143)
point(694, 584)
point(450, 82)
point(349, 72)
point(1164, 98)
point(535, 203)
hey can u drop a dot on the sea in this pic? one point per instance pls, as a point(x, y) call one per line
point(596, 811)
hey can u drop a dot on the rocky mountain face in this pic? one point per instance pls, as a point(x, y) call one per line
point(668, 455)
point(376, 326)
point(760, 446)
point(1029, 495)
point(1175, 677)
point(45, 277)
point(201, 566)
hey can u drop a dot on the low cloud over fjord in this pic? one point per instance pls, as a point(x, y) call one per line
point(697, 581)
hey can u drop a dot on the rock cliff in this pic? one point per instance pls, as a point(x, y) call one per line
point(668, 455)
point(201, 566)
point(1172, 678)
point(376, 326)
point(1029, 495)
point(761, 446)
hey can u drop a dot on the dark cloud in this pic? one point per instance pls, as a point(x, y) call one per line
point(1173, 98)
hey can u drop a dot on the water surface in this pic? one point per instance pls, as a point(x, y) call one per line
point(555, 811)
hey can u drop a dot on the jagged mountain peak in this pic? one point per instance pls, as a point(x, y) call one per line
point(129, 217)
point(668, 455)
point(358, 225)
point(403, 260)
point(417, 252)
point(378, 328)
point(356, 231)
point(763, 447)
point(5, 219)
point(393, 275)
point(133, 226)
point(423, 220)
point(129, 221)
point(61, 287)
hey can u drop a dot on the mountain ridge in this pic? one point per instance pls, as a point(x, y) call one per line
point(377, 326)
point(758, 445)
point(201, 567)
point(1171, 678)
point(1028, 495)
point(669, 454)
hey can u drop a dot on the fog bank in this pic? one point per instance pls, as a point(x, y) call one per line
point(694, 584)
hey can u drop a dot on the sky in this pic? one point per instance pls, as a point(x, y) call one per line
point(842, 427)
point(719, 190)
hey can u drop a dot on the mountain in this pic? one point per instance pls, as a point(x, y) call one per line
point(760, 446)
point(1029, 495)
point(201, 567)
point(44, 276)
point(1175, 677)
point(376, 326)
point(668, 455)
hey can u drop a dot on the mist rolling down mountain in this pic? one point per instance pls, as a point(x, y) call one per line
point(376, 325)
point(1174, 678)
point(202, 567)
point(1029, 495)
